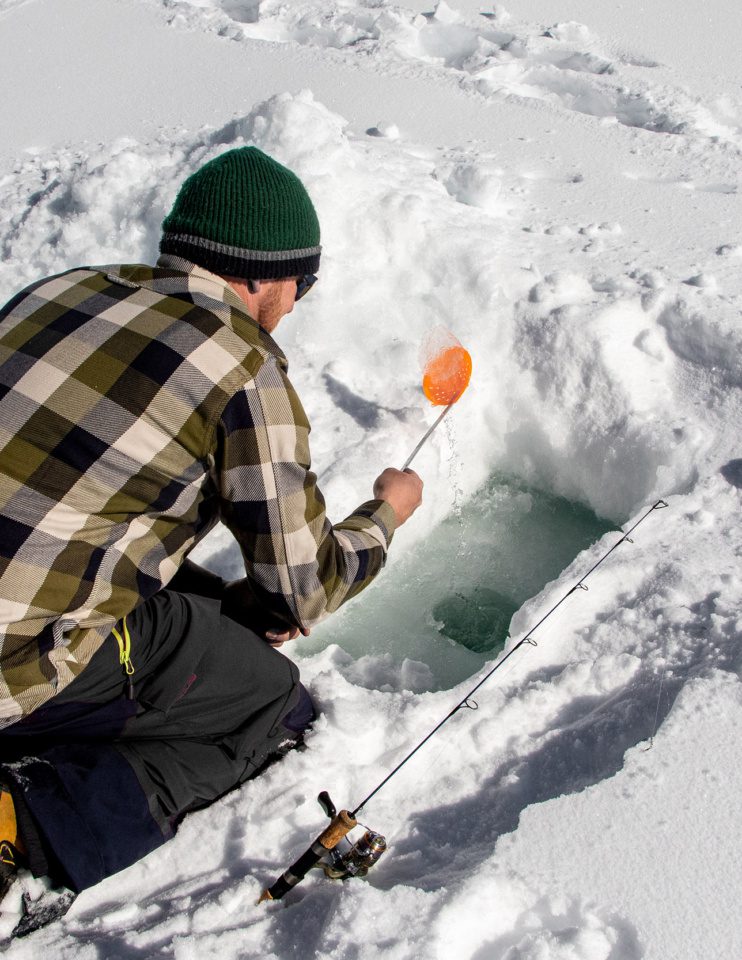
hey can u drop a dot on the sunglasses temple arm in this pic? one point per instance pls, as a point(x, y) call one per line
point(417, 449)
point(304, 285)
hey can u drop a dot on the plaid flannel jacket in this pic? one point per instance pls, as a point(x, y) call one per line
point(138, 406)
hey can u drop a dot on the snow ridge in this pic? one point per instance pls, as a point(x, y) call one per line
point(564, 65)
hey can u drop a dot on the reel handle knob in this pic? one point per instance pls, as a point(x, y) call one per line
point(327, 805)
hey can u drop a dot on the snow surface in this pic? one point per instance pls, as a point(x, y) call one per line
point(559, 184)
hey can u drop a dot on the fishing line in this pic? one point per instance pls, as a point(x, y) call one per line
point(657, 710)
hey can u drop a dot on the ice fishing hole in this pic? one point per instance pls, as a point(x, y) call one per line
point(436, 615)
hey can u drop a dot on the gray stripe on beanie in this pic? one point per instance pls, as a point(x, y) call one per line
point(240, 252)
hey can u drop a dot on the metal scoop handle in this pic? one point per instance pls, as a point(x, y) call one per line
point(417, 449)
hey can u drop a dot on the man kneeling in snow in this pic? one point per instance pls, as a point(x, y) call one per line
point(138, 406)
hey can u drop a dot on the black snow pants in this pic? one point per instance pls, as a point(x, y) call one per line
point(101, 779)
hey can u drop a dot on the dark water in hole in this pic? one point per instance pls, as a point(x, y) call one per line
point(447, 603)
point(544, 534)
point(479, 621)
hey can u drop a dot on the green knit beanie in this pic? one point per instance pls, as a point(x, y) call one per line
point(244, 215)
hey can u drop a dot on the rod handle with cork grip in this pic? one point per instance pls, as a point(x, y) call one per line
point(339, 826)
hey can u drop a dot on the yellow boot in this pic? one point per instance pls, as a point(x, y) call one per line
point(12, 849)
point(23, 908)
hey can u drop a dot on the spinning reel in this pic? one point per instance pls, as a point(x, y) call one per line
point(332, 852)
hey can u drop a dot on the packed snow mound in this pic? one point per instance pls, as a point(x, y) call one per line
point(663, 793)
point(585, 383)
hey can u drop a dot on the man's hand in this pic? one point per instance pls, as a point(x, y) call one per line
point(277, 637)
point(240, 604)
point(402, 489)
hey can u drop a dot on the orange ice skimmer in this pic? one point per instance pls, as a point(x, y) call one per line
point(446, 373)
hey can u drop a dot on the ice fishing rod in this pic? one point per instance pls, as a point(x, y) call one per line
point(344, 860)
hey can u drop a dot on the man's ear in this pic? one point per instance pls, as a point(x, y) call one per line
point(253, 286)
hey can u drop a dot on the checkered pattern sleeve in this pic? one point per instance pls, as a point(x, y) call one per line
point(300, 566)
